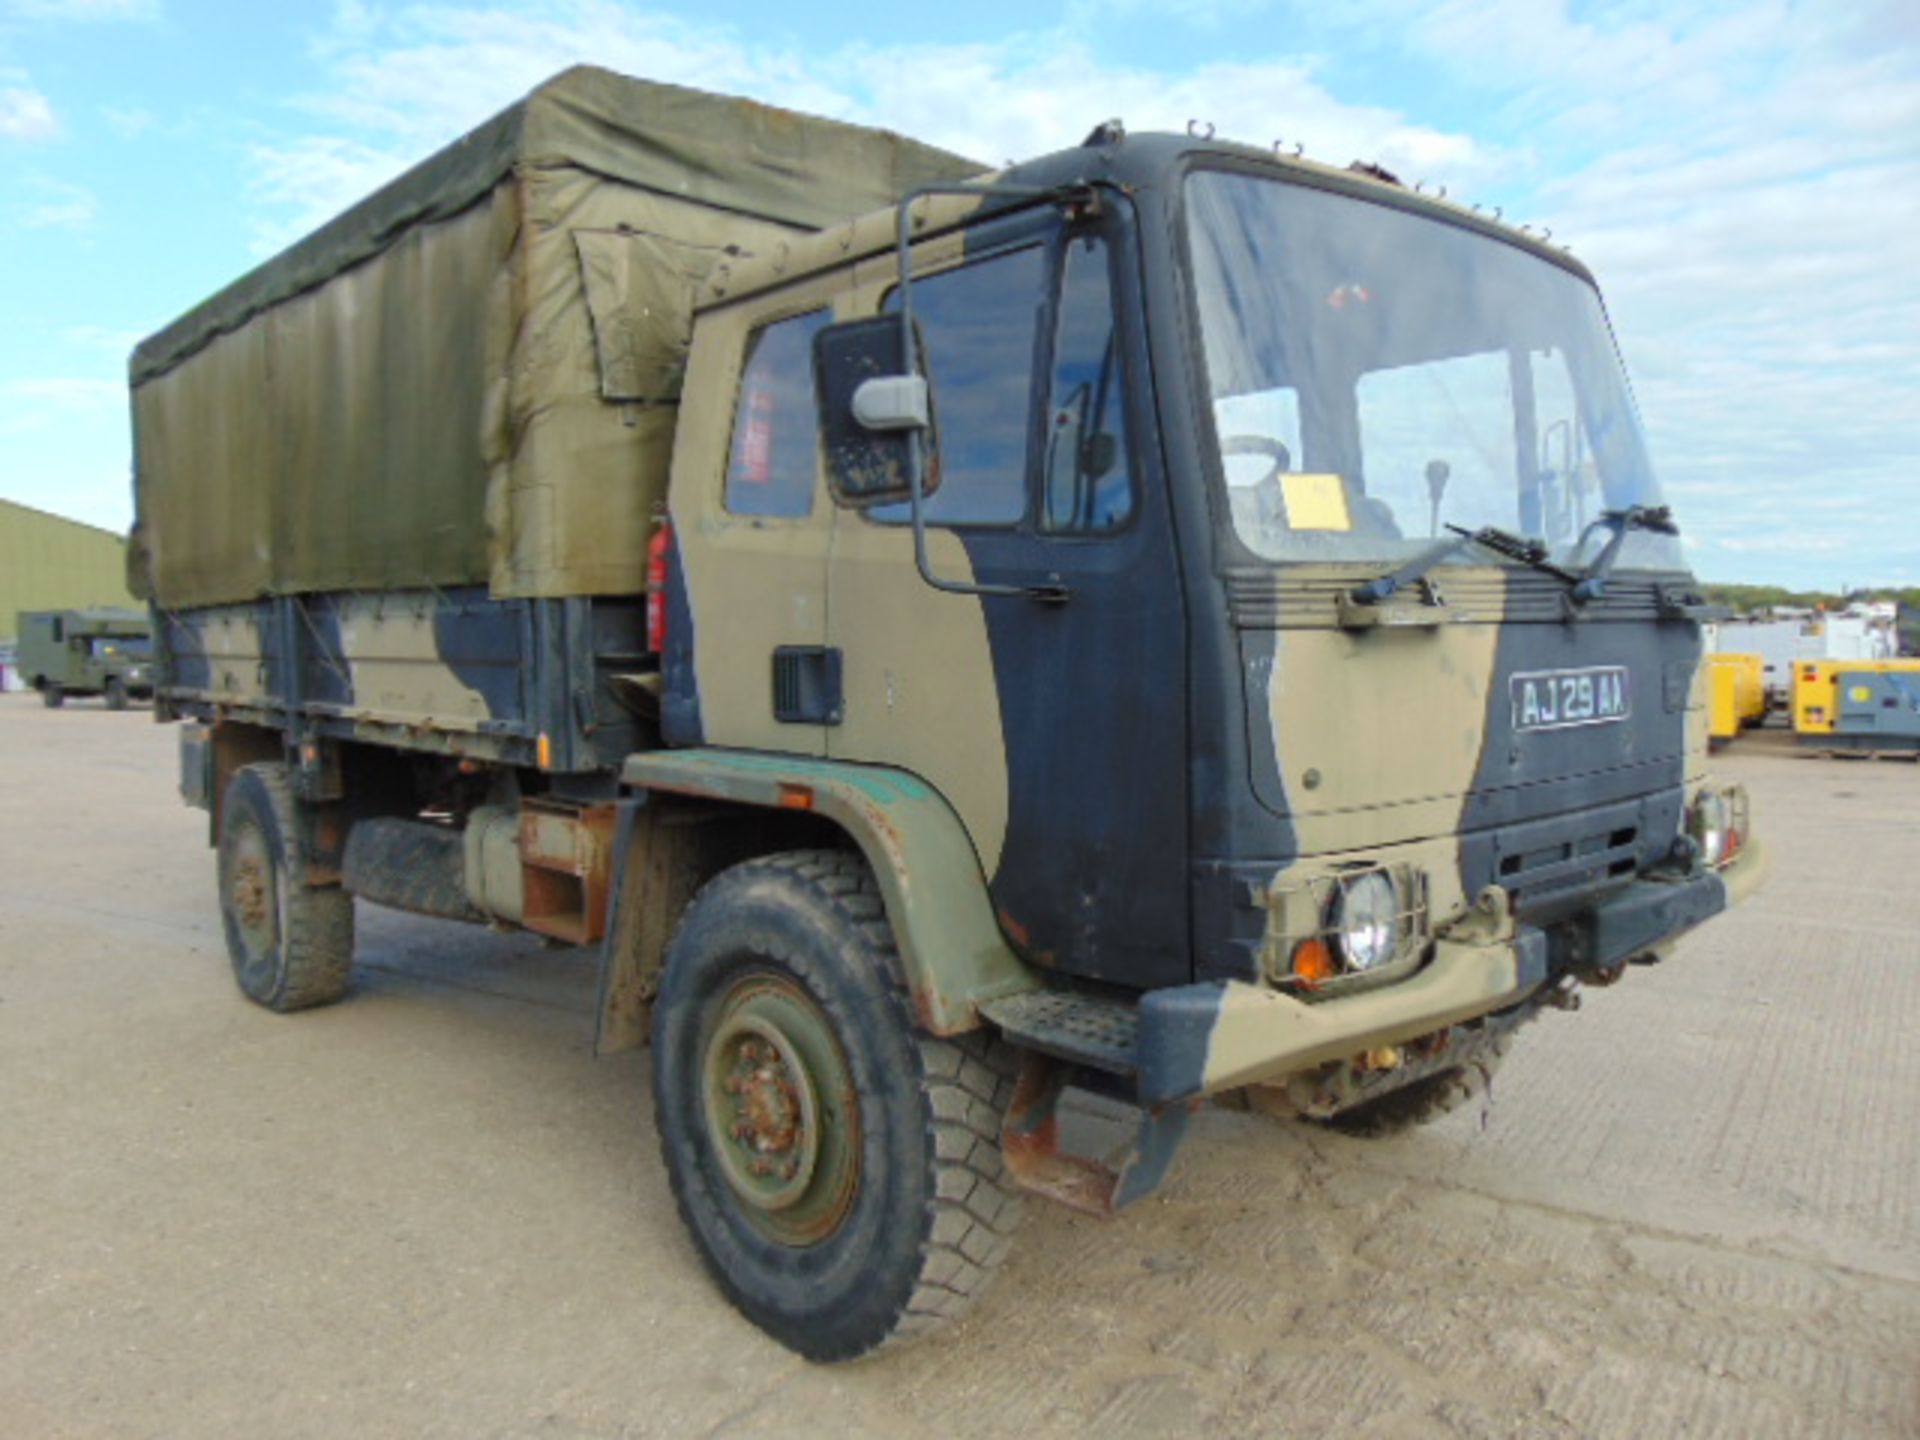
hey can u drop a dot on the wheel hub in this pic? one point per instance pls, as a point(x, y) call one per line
point(772, 1139)
point(251, 892)
point(780, 1110)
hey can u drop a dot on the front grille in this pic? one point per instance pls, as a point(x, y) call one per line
point(1578, 863)
point(1545, 863)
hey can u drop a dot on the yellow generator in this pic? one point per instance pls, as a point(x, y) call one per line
point(1816, 698)
point(1736, 694)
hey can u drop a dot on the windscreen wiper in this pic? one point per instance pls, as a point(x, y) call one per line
point(1487, 537)
point(1531, 553)
point(1658, 518)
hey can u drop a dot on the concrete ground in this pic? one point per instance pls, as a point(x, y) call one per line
point(1693, 1208)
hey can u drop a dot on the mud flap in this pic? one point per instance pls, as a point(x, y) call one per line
point(1099, 1184)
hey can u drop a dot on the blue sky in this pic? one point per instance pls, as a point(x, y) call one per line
point(1745, 178)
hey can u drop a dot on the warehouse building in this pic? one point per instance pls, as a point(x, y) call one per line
point(48, 562)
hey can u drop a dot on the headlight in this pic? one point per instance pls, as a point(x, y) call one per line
point(1365, 920)
point(1711, 827)
point(1719, 823)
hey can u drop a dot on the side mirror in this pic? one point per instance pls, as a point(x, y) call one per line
point(872, 406)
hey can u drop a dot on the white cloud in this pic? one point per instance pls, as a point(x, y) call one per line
point(1017, 100)
point(26, 114)
point(1745, 178)
point(306, 181)
point(406, 81)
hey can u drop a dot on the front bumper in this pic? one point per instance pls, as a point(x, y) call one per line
point(1198, 1040)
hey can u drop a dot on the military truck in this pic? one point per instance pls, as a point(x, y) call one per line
point(988, 661)
point(106, 652)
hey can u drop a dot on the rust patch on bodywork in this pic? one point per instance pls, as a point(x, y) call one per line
point(566, 858)
point(1030, 1145)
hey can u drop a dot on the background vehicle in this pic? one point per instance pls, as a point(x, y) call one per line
point(1052, 674)
point(1784, 643)
point(86, 652)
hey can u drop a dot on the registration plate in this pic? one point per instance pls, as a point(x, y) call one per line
point(1558, 699)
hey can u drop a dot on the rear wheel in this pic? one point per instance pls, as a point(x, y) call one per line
point(839, 1171)
point(291, 943)
point(116, 693)
point(51, 695)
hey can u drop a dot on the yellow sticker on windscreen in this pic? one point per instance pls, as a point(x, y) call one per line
point(1315, 502)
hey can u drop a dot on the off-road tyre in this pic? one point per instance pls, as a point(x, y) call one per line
point(116, 693)
point(903, 1179)
point(291, 944)
point(51, 695)
point(1426, 1100)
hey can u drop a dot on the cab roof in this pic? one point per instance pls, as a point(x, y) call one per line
point(1130, 162)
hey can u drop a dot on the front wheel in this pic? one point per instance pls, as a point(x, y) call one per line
point(839, 1171)
point(116, 694)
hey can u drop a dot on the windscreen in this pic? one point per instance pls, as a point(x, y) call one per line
point(122, 647)
point(1377, 376)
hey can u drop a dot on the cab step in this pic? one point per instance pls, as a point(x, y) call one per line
point(1087, 1029)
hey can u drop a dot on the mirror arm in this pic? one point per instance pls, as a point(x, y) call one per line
point(1053, 590)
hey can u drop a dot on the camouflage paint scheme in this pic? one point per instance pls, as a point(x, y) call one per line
point(1149, 785)
point(446, 672)
point(950, 947)
point(933, 683)
point(1305, 742)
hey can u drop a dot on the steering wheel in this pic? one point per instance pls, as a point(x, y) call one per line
point(1270, 506)
point(1274, 450)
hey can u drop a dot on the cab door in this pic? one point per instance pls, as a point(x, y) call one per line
point(1056, 727)
point(747, 602)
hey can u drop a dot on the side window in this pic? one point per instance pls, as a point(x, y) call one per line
point(775, 452)
point(978, 325)
point(1086, 443)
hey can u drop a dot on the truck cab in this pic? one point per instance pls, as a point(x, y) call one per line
point(1295, 604)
